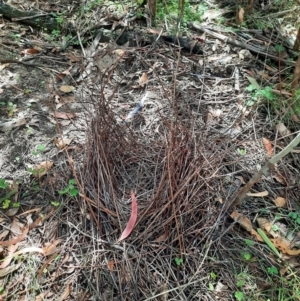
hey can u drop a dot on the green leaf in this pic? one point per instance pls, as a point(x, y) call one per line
point(275, 228)
point(178, 261)
point(72, 182)
point(272, 270)
point(64, 191)
point(293, 215)
point(268, 241)
point(55, 203)
point(73, 192)
point(240, 283)
point(213, 276)
point(211, 287)
point(41, 147)
point(298, 220)
point(239, 296)
point(6, 204)
point(249, 242)
point(247, 256)
point(3, 184)
point(254, 84)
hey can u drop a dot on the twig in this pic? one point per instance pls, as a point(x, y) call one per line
point(239, 44)
point(242, 192)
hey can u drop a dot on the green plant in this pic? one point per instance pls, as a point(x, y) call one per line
point(257, 94)
point(295, 216)
point(39, 149)
point(169, 11)
point(272, 270)
point(249, 242)
point(16, 205)
point(56, 33)
point(55, 203)
point(6, 204)
point(239, 295)
point(71, 189)
point(3, 184)
point(246, 255)
point(178, 261)
point(241, 151)
point(11, 108)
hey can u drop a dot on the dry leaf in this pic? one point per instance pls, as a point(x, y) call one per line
point(43, 168)
point(65, 294)
point(61, 143)
point(143, 79)
point(280, 202)
point(241, 179)
point(110, 265)
point(240, 16)
point(220, 287)
point(283, 131)
point(1, 91)
point(245, 223)
point(132, 219)
point(50, 247)
point(29, 51)
point(279, 178)
point(64, 115)
point(162, 237)
point(10, 269)
point(258, 194)
point(268, 146)
point(67, 89)
point(11, 250)
point(282, 246)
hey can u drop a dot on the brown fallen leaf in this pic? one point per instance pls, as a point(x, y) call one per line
point(281, 245)
point(240, 16)
point(279, 201)
point(65, 293)
point(110, 265)
point(282, 129)
point(143, 79)
point(50, 247)
point(64, 115)
point(246, 224)
point(132, 219)
point(61, 143)
point(42, 168)
point(9, 269)
point(67, 89)
point(29, 51)
point(258, 194)
point(11, 250)
point(268, 146)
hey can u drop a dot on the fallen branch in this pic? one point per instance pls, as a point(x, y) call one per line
point(237, 198)
point(240, 44)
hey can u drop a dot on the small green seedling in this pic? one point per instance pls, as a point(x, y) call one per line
point(55, 203)
point(239, 295)
point(241, 151)
point(213, 276)
point(6, 204)
point(272, 271)
point(3, 184)
point(39, 149)
point(246, 255)
point(178, 261)
point(16, 205)
point(295, 216)
point(70, 189)
point(249, 242)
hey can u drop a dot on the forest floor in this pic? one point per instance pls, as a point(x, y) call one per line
point(124, 145)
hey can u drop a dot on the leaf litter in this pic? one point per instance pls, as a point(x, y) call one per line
point(176, 161)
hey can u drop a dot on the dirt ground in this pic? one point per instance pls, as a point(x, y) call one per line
point(87, 130)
